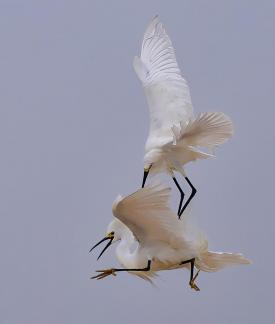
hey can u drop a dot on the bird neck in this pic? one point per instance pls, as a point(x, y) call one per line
point(125, 253)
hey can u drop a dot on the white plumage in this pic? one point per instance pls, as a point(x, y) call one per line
point(146, 218)
point(150, 236)
point(175, 136)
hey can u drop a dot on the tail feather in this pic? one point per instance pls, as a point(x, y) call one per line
point(207, 130)
point(214, 261)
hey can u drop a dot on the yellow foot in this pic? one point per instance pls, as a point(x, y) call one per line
point(194, 286)
point(104, 273)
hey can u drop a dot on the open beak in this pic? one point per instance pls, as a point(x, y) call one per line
point(109, 237)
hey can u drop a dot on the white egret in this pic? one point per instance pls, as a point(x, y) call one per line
point(174, 135)
point(164, 243)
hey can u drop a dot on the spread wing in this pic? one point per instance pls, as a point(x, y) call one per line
point(166, 91)
point(147, 215)
point(209, 129)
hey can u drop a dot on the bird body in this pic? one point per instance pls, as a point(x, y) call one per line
point(175, 135)
point(168, 98)
point(147, 229)
point(132, 255)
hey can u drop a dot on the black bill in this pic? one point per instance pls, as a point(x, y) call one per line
point(109, 237)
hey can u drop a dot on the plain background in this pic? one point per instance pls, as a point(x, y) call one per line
point(72, 130)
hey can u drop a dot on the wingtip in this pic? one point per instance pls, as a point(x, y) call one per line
point(155, 20)
point(155, 17)
point(152, 25)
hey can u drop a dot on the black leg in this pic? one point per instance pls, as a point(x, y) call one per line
point(181, 195)
point(145, 175)
point(112, 271)
point(190, 198)
point(192, 261)
point(192, 277)
point(147, 268)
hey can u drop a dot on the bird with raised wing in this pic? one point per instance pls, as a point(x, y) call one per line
point(175, 135)
point(152, 239)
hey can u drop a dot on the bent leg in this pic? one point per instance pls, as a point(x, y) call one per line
point(112, 271)
point(194, 190)
point(147, 268)
point(181, 194)
point(192, 277)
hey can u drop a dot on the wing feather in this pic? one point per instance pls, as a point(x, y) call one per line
point(207, 130)
point(147, 214)
point(166, 91)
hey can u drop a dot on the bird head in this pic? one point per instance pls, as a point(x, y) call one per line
point(113, 235)
point(110, 238)
point(151, 157)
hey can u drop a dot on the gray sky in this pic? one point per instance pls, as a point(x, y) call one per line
point(72, 129)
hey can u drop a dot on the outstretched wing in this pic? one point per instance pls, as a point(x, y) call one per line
point(147, 215)
point(166, 90)
point(209, 129)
